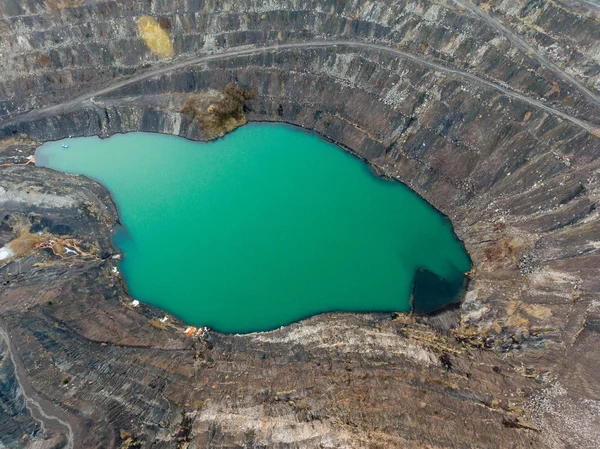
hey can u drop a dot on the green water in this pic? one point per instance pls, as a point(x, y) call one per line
point(263, 227)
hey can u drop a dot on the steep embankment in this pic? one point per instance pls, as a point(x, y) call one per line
point(437, 95)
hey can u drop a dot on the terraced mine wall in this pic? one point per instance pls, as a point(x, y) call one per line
point(487, 132)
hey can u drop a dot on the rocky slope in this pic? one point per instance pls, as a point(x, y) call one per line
point(489, 112)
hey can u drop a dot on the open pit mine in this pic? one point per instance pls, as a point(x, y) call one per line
point(487, 110)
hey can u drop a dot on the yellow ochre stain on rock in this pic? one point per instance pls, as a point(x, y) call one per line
point(157, 39)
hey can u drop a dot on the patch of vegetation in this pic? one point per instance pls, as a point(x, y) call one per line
point(155, 322)
point(128, 440)
point(21, 140)
point(184, 434)
point(65, 380)
point(164, 23)
point(91, 209)
point(221, 116)
point(446, 361)
point(155, 37)
point(24, 242)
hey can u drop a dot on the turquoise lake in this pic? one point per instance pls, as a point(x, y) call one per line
point(264, 227)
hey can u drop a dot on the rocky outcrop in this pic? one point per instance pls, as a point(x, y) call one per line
point(15, 420)
point(488, 125)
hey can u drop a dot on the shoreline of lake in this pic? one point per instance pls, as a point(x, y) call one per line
point(314, 163)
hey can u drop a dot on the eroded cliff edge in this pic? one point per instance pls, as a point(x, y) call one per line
point(468, 123)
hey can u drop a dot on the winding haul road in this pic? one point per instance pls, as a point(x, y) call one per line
point(522, 45)
point(41, 410)
point(85, 100)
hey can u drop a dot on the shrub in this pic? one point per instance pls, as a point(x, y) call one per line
point(222, 116)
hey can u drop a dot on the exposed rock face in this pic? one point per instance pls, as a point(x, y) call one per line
point(489, 111)
point(15, 420)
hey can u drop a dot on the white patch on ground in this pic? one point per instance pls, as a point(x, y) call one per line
point(595, 245)
point(372, 12)
point(566, 421)
point(175, 123)
point(433, 14)
point(338, 68)
point(473, 311)
point(557, 283)
point(477, 58)
point(545, 277)
point(23, 44)
point(270, 430)
point(454, 44)
point(210, 44)
point(396, 95)
point(349, 340)
point(35, 198)
point(5, 253)
point(590, 217)
point(475, 316)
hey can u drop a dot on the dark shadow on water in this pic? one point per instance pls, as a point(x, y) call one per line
point(432, 293)
point(120, 233)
